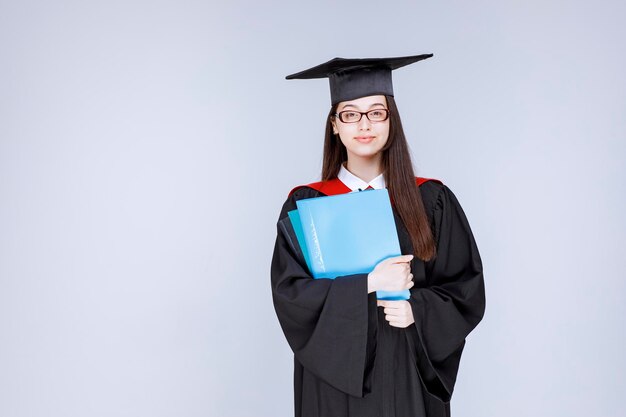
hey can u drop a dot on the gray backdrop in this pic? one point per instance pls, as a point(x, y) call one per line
point(146, 148)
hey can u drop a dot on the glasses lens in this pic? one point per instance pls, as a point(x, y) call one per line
point(377, 115)
point(349, 116)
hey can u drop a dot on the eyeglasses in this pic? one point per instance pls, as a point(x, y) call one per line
point(353, 116)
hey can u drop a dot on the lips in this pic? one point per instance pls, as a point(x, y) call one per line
point(365, 139)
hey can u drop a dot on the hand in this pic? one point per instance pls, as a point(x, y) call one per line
point(397, 313)
point(391, 274)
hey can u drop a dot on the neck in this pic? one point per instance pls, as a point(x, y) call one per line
point(365, 168)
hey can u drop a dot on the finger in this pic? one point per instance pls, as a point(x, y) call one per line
point(398, 317)
point(384, 261)
point(402, 258)
point(382, 303)
point(410, 285)
point(392, 303)
point(398, 324)
point(394, 319)
point(402, 310)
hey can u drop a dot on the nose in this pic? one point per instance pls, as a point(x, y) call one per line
point(364, 123)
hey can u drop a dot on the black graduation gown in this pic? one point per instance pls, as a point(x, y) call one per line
point(348, 360)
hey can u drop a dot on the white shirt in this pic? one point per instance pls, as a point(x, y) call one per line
point(355, 183)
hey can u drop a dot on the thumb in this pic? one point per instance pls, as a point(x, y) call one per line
point(403, 258)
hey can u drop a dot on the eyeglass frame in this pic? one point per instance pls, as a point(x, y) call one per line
point(361, 113)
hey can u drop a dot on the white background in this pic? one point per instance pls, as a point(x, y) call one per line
point(146, 148)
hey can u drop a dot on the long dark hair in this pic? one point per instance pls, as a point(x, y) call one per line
point(399, 178)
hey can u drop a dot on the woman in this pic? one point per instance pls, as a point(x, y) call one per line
point(355, 355)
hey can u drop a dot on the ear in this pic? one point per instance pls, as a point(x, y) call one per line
point(334, 123)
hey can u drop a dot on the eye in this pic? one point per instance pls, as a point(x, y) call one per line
point(350, 115)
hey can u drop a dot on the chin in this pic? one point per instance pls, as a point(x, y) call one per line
point(361, 153)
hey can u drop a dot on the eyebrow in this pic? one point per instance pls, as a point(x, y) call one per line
point(352, 105)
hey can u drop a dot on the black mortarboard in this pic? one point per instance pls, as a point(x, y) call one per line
point(359, 77)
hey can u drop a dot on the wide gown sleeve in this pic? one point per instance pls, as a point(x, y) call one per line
point(451, 303)
point(330, 324)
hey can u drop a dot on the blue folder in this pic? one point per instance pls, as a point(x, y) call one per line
point(347, 234)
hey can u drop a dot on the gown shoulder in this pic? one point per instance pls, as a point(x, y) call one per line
point(299, 194)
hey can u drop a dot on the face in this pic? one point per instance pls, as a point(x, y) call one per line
point(364, 138)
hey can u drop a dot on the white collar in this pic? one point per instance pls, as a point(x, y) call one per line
point(355, 183)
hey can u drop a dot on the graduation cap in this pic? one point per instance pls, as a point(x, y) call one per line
point(351, 78)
